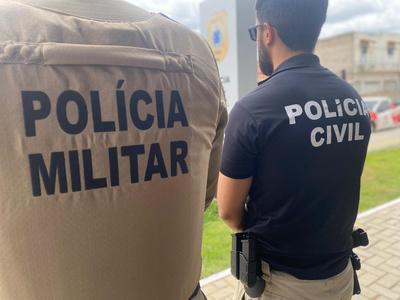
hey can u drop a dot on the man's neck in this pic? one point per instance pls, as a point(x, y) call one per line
point(283, 56)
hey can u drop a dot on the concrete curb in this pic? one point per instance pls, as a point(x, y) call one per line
point(227, 272)
point(215, 277)
point(378, 208)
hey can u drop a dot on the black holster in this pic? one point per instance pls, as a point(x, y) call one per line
point(360, 239)
point(246, 264)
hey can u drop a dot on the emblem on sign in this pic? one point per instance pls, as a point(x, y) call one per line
point(218, 35)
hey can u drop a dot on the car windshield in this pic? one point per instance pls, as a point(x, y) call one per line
point(371, 104)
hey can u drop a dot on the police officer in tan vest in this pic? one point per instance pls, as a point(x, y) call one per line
point(111, 126)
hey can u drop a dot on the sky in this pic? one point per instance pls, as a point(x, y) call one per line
point(343, 16)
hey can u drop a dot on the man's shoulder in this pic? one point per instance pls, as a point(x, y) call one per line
point(341, 83)
point(267, 95)
point(294, 85)
point(181, 39)
point(287, 84)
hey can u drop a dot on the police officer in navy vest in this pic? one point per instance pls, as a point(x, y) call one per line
point(294, 153)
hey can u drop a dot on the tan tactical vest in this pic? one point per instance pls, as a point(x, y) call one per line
point(111, 125)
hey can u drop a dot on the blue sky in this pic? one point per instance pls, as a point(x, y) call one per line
point(344, 15)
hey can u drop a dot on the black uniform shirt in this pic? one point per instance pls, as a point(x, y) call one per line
point(303, 136)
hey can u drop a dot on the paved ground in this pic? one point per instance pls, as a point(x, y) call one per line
point(380, 277)
point(385, 139)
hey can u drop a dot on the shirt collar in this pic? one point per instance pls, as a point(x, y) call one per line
point(299, 61)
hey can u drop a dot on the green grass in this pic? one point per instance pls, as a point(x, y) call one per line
point(216, 243)
point(380, 184)
point(381, 178)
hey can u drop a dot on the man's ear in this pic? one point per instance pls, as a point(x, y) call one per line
point(269, 35)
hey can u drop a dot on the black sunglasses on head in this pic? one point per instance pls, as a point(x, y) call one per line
point(253, 31)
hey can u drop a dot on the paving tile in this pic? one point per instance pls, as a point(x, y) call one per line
point(372, 270)
point(223, 294)
point(388, 281)
point(396, 288)
point(382, 245)
point(391, 270)
point(368, 293)
point(376, 261)
point(210, 288)
point(367, 279)
point(221, 283)
point(382, 291)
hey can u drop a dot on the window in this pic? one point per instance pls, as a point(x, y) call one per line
point(364, 47)
point(364, 51)
point(343, 74)
point(384, 106)
point(372, 86)
point(391, 49)
point(371, 105)
point(390, 85)
point(372, 83)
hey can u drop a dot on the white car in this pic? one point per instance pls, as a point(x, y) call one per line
point(385, 113)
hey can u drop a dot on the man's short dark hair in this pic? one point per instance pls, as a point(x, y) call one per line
point(298, 22)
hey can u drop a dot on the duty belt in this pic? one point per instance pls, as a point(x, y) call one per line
point(246, 264)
